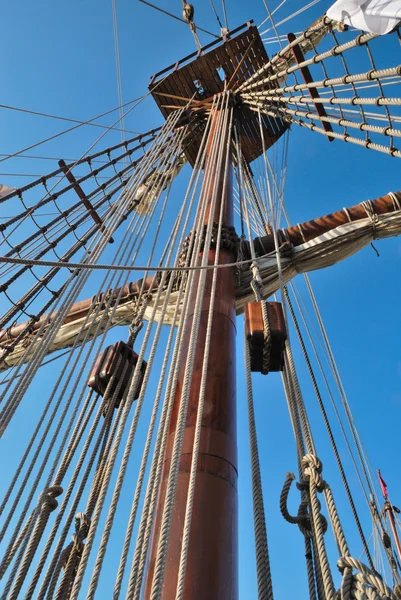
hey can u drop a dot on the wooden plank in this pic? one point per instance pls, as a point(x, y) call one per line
point(82, 196)
point(239, 57)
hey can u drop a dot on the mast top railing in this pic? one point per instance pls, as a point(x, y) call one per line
point(201, 51)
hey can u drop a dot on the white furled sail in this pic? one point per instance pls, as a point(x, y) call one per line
point(321, 252)
point(375, 16)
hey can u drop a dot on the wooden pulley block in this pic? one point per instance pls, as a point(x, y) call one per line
point(265, 359)
point(108, 364)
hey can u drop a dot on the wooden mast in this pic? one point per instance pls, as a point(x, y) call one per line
point(388, 510)
point(213, 555)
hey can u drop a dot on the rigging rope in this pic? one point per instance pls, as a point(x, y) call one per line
point(80, 124)
point(265, 587)
point(147, 518)
point(49, 116)
point(201, 400)
point(115, 305)
point(188, 14)
point(82, 435)
point(216, 15)
point(118, 68)
point(328, 427)
point(353, 585)
point(94, 266)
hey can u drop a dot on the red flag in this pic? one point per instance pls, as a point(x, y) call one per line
point(383, 484)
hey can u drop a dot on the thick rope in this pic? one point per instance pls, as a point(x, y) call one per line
point(147, 518)
point(265, 585)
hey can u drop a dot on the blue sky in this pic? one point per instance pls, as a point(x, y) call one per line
point(59, 58)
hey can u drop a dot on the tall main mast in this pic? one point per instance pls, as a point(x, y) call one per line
point(212, 552)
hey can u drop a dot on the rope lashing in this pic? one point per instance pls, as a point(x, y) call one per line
point(240, 258)
point(82, 524)
point(69, 558)
point(346, 212)
point(369, 209)
point(48, 497)
point(313, 470)
point(374, 219)
point(256, 283)
point(301, 232)
point(396, 202)
point(137, 321)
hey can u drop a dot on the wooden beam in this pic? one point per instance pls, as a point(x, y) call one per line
point(81, 194)
point(307, 77)
point(296, 235)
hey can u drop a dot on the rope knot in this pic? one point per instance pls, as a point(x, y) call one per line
point(302, 519)
point(256, 283)
point(312, 469)
point(70, 558)
point(370, 211)
point(82, 525)
point(256, 273)
point(48, 497)
point(137, 321)
point(364, 584)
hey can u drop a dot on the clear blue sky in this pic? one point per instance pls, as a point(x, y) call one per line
point(59, 58)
